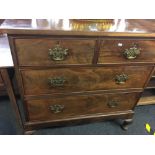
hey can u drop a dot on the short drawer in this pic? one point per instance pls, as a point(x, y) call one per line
point(74, 106)
point(47, 51)
point(67, 80)
point(127, 51)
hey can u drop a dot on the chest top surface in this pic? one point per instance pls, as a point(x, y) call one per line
point(85, 27)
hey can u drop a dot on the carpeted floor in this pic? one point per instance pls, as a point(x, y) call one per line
point(143, 114)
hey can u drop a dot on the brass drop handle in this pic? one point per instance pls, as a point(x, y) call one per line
point(132, 52)
point(57, 108)
point(121, 79)
point(58, 53)
point(57, 81)
point(112, 104)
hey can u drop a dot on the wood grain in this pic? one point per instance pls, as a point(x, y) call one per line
point(80, 105)
point(111, 51)
point(83, 79)
point(35, 52)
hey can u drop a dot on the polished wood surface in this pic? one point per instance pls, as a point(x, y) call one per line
point(75, 106)
point(119, 27)
point(112, 51)
point(5, 53)
point(35, 52)
point(83, 79)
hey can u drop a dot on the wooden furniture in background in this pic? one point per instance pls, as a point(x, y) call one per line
point(75, 74)
point(148, 96)
point(6, 85)
point(5, 60)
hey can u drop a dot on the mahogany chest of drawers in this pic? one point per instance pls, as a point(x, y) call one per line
point(75, 76)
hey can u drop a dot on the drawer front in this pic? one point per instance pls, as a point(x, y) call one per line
point(37, 52)
point(67, 80)
point(127, 51)
point(74, 106)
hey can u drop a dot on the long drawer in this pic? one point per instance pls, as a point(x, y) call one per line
point(48, 51)
point(67, 80)
point(74, 106)
point(127, 51)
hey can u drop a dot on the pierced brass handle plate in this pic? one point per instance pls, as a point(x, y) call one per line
point(57, 81)
point(121, 79)
point(58, 53)
point(57, 108)
point(132, 52)
point(112, 104)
